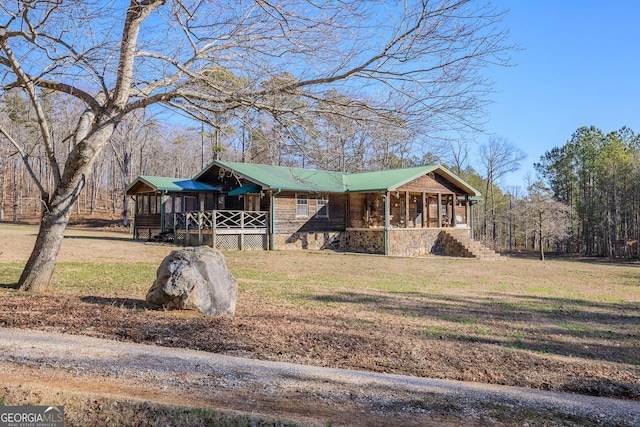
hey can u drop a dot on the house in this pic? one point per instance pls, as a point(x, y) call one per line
point(230, 205)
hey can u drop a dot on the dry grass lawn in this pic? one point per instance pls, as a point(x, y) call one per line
point(563, 324)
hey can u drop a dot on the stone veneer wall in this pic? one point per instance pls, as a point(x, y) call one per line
point(311, 240)
point(369, 241)
point(410, 242)
point(406, 242)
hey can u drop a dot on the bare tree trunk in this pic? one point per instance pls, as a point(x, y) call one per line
point(125, 210)
point(3, 197)
point(540, 234)
point(38, 271)
point(41, 264)
point(15, 193)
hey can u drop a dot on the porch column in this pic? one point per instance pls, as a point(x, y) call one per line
point(272, 219)
point(452, 216)
point(162, 213)
point(135, 222)
point(466, 210)
point(387, 212)
point(425, 210)
point(175, 218)
point(439, 212)
point(454, 203)
point(406, 209)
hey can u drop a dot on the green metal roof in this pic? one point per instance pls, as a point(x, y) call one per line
point(298, 179)
point(384, 180)
point(285, 178)
point(162, 183)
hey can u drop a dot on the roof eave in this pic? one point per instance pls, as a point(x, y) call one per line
point(137, 180)
point(462, 182)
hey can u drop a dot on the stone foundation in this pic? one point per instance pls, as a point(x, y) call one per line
point(409, 242)
point(333, 240)
point(369, 241)
point(404, 242)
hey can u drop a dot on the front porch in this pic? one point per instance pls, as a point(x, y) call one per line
point(409, 209)
point(221, 229)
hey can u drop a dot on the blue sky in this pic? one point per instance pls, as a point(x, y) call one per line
point(579, 65)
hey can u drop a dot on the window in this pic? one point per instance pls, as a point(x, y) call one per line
point(191, 204)
point(158, 204)
point(209, 201)
point(145, 204)
point(302, 205)
point(140, 203)
point(322, 207)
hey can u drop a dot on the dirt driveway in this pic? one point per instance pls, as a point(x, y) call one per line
point(306, 394)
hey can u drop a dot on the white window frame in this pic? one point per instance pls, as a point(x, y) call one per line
point(322, 202)
point(299, 205)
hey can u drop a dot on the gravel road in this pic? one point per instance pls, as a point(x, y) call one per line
point(306, 393)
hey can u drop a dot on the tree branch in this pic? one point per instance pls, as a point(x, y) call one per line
point(29, 87)
point(25, 160)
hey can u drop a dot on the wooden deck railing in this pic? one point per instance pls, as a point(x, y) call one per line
point(207, 220)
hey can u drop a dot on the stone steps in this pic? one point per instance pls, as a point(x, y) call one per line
point(466, 247)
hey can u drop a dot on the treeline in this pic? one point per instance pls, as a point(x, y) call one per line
point(597, 174)
point(584, 200)
point(144, 144)
point(594, 175)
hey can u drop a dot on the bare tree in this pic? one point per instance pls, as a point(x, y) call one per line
point(544, 217)
point(499, 157)
point(133, 134)
point(459, 151)
point(421, 57)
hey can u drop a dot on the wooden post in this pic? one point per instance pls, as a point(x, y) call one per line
point(347, 211)
point(162, 216)
point(406, 209)
point(387, 212)
point(466, 210)
point(135, 222)
point(439, 212)
point(428, 212)
point(452, 216)
point(175, 230)
point(242, 230)
point(214, 226)
point(173, 211)
point(425, 210)
point(187, 236)
point(200, 218)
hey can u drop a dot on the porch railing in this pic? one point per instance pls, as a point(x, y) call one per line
point(207, 220)
point(220, 229)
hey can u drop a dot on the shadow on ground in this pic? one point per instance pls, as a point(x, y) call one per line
point(545, 325)
point(128, 303)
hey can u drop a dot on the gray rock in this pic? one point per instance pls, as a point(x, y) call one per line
point(195, 278)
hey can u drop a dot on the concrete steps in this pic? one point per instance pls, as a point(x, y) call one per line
point(463, 246)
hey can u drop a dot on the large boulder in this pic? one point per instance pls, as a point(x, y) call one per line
point(195, 278)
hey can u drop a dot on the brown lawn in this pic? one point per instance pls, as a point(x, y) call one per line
point(563, 324)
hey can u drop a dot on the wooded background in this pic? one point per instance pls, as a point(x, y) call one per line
point(585, 200)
